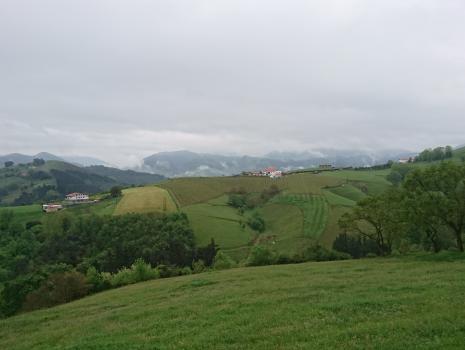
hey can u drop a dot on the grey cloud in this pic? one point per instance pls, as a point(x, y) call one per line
point(123, 79)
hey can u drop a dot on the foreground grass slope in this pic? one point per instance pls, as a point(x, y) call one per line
point(366, 304)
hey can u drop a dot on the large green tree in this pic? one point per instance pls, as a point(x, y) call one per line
point(437, 193)
point(379, 218)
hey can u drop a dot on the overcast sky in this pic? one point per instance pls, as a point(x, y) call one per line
point(121, 80)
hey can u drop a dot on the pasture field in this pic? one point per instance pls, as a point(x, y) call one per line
point(26, 213)
point(104, 207)
point(372, 182)
point(146, 199)
point(385, 304)
point(348, 191)
point(284, 228)
point(308, 207)
point(332, 229)
point(337, 200)
point(215, 219)
point(314, 211)
point(188, 191)
point(310, 183)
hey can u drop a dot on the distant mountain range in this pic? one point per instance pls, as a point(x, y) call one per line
point(185, 163)
point(19, 158)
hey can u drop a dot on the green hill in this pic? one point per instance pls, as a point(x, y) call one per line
point(408, 303)
point(47, 181)
point(306, 210)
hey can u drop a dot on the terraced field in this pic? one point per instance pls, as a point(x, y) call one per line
point(147, 199)
point(308, 208)
point(368, 181)
point(348, 191)
point(314, 210)
point(284, 228)
point(215, 219)
point(188, 191)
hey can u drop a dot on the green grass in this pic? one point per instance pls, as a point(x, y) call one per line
point(380, 304)
point(316, 196)
point(284, 227)
point(371, 181)
point(332, 229)
point(188, 191)
point(337, 200)
point(104, 207)
point(348, 191)
point(314, 210)
point(26, 213)
point(146, 199)
point(215, 219)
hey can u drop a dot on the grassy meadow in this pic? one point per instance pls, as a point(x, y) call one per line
point(26, 213)
point(396, 303)
point(307, 209)
point(145, 200)
point(215, 219)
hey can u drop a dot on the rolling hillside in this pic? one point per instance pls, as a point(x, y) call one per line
point(306, 210)
point(35, 183)
point(396, 303)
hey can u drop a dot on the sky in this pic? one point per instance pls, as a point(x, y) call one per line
point(120, 80)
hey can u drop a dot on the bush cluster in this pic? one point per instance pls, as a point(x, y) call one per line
point(261, 255)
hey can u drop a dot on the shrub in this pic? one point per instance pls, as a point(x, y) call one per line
point(286, 259)
point(236, 200)
point(260, 256)
point(97, 281)
point(256, 223)
point(143, 271)
point(198, 266)
point(186, 271)
point(320, 253)
point(116, 191)
point(223, 261)
point(59, 288)
point(138, 272)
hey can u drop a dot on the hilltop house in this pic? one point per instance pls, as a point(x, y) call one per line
point(77, 197)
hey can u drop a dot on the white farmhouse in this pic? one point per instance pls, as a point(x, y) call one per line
point(77, 197)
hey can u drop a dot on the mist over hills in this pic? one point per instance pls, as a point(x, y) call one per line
point(186, 163)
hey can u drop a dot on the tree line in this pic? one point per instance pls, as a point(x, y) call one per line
point(432, 154)
point(427, 209)
point(66, 256)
